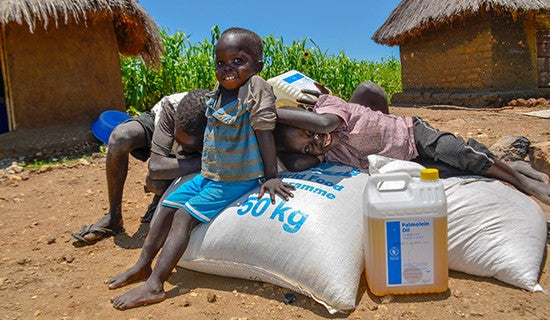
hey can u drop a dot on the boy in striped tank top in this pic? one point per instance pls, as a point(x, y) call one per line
point(238, 156)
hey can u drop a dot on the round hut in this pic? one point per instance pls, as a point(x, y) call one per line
point(478, 53)
point(61, 68)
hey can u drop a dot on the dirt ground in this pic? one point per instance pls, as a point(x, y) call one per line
point(44, 275)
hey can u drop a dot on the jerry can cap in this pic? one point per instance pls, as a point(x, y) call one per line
point(429, 174)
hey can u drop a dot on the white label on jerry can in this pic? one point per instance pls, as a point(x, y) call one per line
point(409, 252)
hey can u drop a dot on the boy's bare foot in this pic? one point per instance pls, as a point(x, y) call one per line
point(140, 296)
point(133, 274)
point(537, 189)
point(525, 169)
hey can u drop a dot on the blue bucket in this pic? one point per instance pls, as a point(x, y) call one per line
point(106, 123)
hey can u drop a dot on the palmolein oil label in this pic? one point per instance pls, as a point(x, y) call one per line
point(409, 252)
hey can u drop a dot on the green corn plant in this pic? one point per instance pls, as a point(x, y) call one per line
point(186, 66)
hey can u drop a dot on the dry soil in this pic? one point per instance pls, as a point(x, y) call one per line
point(44, 275)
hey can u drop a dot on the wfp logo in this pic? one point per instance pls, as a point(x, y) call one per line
point(394, 252)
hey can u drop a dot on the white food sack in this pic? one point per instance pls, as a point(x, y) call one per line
point(381, 164)
point(495, 231)
point(312, 244)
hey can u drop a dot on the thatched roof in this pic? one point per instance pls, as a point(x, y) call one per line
point(137, 33)
point(411, 17)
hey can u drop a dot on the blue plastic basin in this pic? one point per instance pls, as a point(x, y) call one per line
point(106, 123)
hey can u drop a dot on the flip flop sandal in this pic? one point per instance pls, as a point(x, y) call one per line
point(148, 216)
point(103, 233)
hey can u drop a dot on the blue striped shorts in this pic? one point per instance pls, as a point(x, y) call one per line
point(204, 199)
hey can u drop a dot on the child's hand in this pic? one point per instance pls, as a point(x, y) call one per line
point(276, 186)
point(313, 94)
point(322, 88)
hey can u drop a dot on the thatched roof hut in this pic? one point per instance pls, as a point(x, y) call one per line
point(433, 32)
point(412, 17)
point(136, 32)
point(60, 59)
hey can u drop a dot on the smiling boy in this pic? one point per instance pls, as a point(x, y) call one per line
point(238, 156)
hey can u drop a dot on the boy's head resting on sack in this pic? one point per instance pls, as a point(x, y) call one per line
point(296, 140)
point(190, 122)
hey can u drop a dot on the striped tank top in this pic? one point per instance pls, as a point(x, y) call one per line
point(230, 150)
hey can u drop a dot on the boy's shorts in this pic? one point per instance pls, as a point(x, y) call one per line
point(147, 121)
point(471, 157)
point(204, 199)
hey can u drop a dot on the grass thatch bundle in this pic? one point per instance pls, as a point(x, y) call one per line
point(411, 17)
point(136, 31)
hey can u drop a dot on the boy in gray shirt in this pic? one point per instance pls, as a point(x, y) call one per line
point(176, 122)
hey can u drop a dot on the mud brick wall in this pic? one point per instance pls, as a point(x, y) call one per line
point(64, 75)
point(482, 52)
point(514, 53)
point(543, 49)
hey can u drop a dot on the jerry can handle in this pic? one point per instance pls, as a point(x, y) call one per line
point(376, 178)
